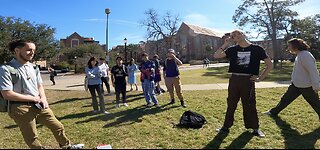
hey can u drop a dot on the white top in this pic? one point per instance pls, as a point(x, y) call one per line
point(103, 67)
point(305, 73)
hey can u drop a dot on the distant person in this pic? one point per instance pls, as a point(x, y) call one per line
point(118, 78)
point(52, 73)
point(105, 75)
point(205, 62)
point(172, 76)
point(147, 79)
point(94, 74)
point(28, 102)
point(244, 58)
point(132, 68)
point(305, 79)
point(157, 77)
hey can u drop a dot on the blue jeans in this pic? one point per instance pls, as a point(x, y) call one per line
point(93, 89)
point(148, 91)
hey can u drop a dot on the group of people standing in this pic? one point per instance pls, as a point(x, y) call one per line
point(28, 101)
point(150, 77)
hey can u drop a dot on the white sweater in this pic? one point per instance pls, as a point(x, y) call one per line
point(305, 73)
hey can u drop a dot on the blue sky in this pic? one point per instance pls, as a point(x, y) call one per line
point(87, 17)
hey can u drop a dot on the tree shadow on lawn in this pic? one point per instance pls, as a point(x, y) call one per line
point(68, 100)
point(293, 139)
point(130, 115)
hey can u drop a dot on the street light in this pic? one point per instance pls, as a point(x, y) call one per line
point(125, 50)
point(75, 64)
point(107, 11)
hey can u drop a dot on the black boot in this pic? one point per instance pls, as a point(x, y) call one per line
point(172, 101)
point(182, 103)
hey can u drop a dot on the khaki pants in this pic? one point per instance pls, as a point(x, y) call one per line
point(25, 116)
point(171, 83)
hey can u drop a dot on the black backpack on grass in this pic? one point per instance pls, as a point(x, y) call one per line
point(190, 119)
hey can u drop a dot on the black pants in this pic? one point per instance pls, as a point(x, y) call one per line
point(52, 80)
point(292, 93)
point(105, 80)
point(121, 88)
point(242, 87)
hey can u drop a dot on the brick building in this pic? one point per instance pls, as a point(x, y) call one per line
point(75, 39)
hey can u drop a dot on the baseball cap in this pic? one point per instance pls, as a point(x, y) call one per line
point(171, 51)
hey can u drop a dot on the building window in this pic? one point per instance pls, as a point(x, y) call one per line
point(74, 42)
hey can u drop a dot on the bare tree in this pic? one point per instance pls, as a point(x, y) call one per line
point(159, 27)
point(268, 17)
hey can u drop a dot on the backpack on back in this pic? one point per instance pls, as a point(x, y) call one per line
point(55, 73)
point(190, 119)
point(4, 104)
point(15, 76)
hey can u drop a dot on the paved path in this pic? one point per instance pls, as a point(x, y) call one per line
point(75, 82)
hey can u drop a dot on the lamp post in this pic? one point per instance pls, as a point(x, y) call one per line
point(107, 11)
point(125, 50)
point(75, 64)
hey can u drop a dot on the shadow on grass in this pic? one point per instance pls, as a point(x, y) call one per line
point(293, 139)
point(79, 115)
point(129, 116)
point(68, 100)
point(216, 142)
point(241, 141)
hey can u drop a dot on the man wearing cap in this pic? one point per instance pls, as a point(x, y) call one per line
point(172, 78)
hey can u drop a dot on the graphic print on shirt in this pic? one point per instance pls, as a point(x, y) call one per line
point(243, 59)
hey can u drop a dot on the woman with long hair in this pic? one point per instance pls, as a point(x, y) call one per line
point(93, 73)
point(305, 79)
point(132, 68)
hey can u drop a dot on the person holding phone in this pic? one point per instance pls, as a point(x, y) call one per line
point(28, 101)
point(244, 58)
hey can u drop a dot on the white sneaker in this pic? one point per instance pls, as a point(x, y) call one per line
point(117, 105)
point(76, 146)
point(106, 112)
point(125, 104)
point(267, 113)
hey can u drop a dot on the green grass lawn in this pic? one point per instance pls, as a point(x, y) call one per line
point(221, 75)
point(137, 127)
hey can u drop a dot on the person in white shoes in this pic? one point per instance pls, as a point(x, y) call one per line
point(118, 78)
point(26, 94)
point(244, 58)
point(93, 73)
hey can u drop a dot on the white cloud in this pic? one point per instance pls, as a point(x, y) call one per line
point(307, 8)
point(197, 19)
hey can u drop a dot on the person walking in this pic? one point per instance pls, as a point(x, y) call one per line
point(172, 76)
point(94, 74)
point(105, 75)
point(132, 68)
point(27, 98)
point(147, 79)
point(305, 79)
point(244, 59)
point(118, 78)
point(52, 73)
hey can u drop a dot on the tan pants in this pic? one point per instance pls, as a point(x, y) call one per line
point(25, 116)
point(171, 83)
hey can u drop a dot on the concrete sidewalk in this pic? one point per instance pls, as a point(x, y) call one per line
point(75, 82)
point(70, 81)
